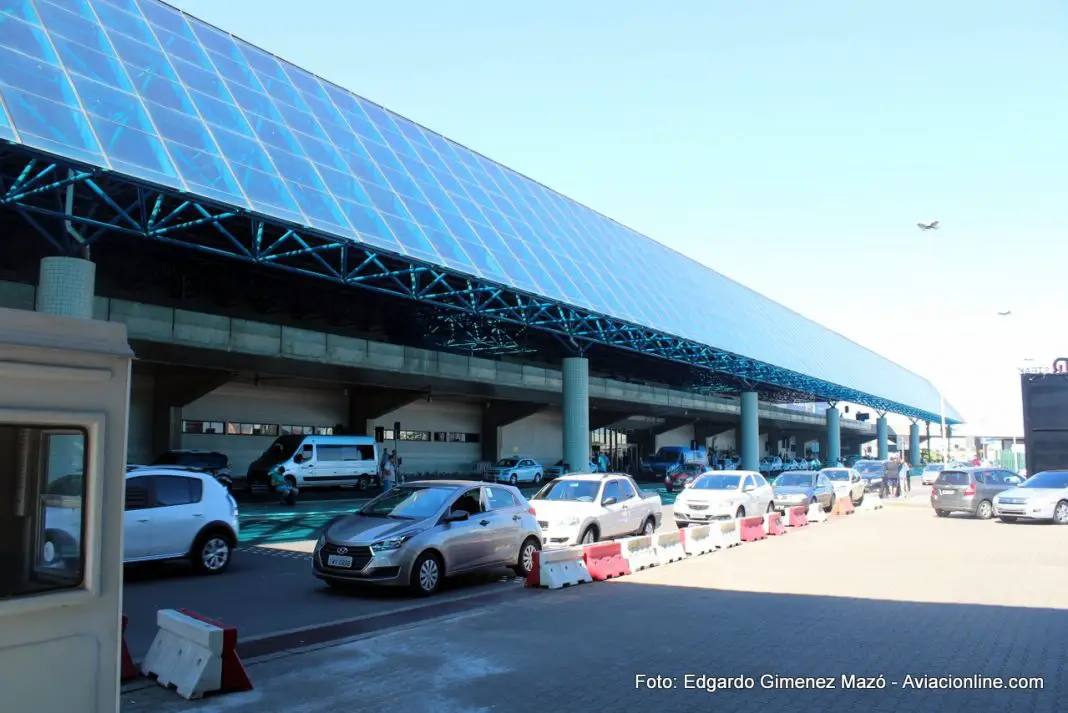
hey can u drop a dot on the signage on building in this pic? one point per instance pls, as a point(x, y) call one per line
point(1060, 366)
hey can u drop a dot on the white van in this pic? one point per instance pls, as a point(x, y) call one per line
point(319, 461)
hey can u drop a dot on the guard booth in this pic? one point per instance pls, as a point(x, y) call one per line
point(64, 390)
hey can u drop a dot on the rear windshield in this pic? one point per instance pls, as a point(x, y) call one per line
point(837, 474)
point(802, 479)
point(953, 477)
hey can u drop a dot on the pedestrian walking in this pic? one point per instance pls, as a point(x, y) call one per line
point(890, 472)
point(389, 474)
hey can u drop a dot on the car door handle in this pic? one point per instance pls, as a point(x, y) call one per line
point(483, 522)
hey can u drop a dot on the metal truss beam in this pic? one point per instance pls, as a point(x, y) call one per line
point(102, 204)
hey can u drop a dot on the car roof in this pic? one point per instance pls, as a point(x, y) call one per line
point(168, 470)
point(731, 472)
point(447, 483)
point(802, 472)
point(592, 476)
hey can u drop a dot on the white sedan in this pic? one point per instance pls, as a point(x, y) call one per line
point(583, 508)
point(722, 495)
point(846, 482)
point(931, 471)
point(1044, 496)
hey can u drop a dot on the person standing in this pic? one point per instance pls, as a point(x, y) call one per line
point(389, 474)
point(903, 478)
point(890, 471)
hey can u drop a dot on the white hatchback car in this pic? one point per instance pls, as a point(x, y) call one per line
point(170, 514)
point(723, 495)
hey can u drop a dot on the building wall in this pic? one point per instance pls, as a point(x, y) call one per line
point(681, 436)
point(434, 456)
point(726, 442)
point(539, 436)
point(139, 431)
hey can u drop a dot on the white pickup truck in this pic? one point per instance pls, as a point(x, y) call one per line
point(583, 508)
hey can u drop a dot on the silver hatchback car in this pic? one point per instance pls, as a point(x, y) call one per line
point(970, 490)
point(421, 532)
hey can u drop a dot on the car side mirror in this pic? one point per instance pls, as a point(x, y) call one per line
point(458, 516)
point(748, 488)
point(609, 501)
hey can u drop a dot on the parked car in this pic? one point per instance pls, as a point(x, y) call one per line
point(516, 469)
point(872, 473)
point(319, 461)
point(847, 483)
point(560, 468)
point(589, 507)
point(171, 513)
point(803, 487)
point(421, 532)
point(681, 476)
point(723, 495)
point(971, 490)
point(930, 473)
point(657, 465)
point(213, 462)
point(1043, 496)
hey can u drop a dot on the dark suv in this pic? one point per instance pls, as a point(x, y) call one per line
point(213, 462)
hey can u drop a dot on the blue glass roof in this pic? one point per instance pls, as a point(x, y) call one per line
point(140, 88)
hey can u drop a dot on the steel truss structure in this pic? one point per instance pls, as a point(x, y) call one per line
point(92, 203)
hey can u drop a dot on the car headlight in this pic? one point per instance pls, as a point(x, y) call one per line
point(389, 544)
point(568, 522)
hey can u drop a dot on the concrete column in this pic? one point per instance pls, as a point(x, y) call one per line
point(914, 445)
point(66, 286)
point(834, 439)
point(882, 429)
point(749, 433)
point(576, 434)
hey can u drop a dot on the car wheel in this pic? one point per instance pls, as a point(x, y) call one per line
point(525, 563)
point(740, 512)
point(537, 479)
point(513, 480)
point(984, 511)
point(589, 536)
point(1008, 519)
point(830, 506)
point(681, 525)
point(942, 513)
point(1060, 513)
point(426, 578)
point(649, 526)
point(362, 484)
point(771, 507)
point(212, 552)
point(859, 502)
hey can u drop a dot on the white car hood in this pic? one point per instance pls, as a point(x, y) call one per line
point(707, 497)
point(1033, 493)
point(552, 510)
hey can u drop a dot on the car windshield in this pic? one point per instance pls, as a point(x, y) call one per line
point(507, 462)
point(282, 449)
point(583, 491)
point(668, 452)
point(408, 502)
point(953, 477)
point(802, 479)
point(690, 469)
point(869, 467)
point(837, 474)
point(1054, 479)
point(717, 482)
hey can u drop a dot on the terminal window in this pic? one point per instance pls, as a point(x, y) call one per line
point(42, 523)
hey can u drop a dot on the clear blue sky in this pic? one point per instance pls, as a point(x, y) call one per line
point(792, 146)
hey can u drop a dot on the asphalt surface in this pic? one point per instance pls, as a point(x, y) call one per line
point(269, 587)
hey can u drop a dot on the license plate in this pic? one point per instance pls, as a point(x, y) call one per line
point(946, 492)
point(338, 561)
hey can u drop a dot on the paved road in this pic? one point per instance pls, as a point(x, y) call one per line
point(893, 593)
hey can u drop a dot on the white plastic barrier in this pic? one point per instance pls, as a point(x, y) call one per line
point(639, 552)
point(668, 547)
point(816, 513)
point(186, 654)
point(872, 502)
point(563, 567)
point(726, 534)
point(698, 540)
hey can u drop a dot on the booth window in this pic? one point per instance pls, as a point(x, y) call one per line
point(42, 515)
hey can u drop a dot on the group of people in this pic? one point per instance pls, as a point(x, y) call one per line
point(896, 478)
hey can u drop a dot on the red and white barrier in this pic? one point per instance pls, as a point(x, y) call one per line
point(795, 517)
point(751, 529)
point(816, 513)
point(639, 552)
point(668, 547)
point(773, 526)
point(196, 655)
point(726, 533)
point(129, 670)
point(698, 540)
point(559, 568)
point(843, 506)
point(872, 502)
point(604, 560)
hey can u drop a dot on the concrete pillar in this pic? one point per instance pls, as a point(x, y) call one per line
point(66, 286)
point(882, 431)
point(576, 433)
point(834, 439)
point(914, 445)
point(749, 433)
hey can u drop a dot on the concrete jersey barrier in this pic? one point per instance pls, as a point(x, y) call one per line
point(726, 533)
point(186, 654)
point(698, 540)
point(563, 567)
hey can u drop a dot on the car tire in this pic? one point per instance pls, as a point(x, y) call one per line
point(984, 510)
point(1060, 513)
point(681, 525)
point(589, 536)
point(771, 508)
point(428, 574)
point(942, 513)
point(830, 506)
point(537, 479)
point(362, 484)
point(648, 527)
point(740, 512)
point(514, 480)
point(525, 563)
point(212, 552)
point(860, 502)
point(1007, 519)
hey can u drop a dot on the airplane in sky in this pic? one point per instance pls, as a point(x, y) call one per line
point(933, 225)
